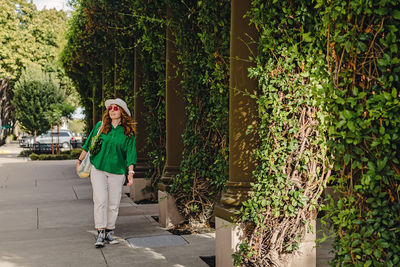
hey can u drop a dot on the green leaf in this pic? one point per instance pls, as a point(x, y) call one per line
point(341, 123)
point(347, 46)
point(347, 158)
point(394, 92)
point(393, 48)
point(385, 245)
point(347, 114)
point(368, 251)
point(351, 126)
point(382, 130)
point(382, 163)
point(396, 14)
point(362, 46)
point(307, 37)
point(377, 254)
point(355, 91)
point(382, 11)
point(340, 101)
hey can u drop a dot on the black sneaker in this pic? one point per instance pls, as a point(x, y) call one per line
point(100, 239)
point(109, 238)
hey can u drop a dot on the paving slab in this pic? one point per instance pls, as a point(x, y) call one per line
point(66, 216)
point(51, 252)
point(82, 233)
point(83, 191)
point(139, 210)
point(156, 241)
point(25, 218)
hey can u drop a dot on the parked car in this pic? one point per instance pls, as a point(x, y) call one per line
point(65, 138)
point(24, 141)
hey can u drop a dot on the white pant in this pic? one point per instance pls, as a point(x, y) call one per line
point(107, 189)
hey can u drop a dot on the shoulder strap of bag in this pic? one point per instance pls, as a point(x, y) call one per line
point(99, 130)
point(96, 136)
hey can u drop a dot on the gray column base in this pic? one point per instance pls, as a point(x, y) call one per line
point(307, 253)
point(137, 188)
point(229, 236)
point(168, 214)
point(227, 239)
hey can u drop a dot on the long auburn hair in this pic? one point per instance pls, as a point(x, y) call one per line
point(126, 122)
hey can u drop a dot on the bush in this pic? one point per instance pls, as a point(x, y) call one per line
point(75, 153)
point(44, 156)
point(25, 153)
point(34, 156)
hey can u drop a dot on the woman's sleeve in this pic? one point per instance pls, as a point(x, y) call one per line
point(86, 146)
point(131, 155)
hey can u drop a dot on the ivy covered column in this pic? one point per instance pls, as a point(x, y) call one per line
point(141, 170)
point(242, 113)
point(175, 125)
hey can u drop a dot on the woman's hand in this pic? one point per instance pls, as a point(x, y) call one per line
point(130, 179)
point(79, 161)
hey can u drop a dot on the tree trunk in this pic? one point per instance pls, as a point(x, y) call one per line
point(52, 142)
point(58, 138)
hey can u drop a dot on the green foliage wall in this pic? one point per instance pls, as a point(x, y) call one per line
point(201, 35)
point(362, 101)
point(329, 73)
point(99, 54)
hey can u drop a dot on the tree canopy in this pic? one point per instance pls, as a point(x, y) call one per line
point(35, 98)
point(29, 36)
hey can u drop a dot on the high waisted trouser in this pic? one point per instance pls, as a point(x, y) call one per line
point(107, 189)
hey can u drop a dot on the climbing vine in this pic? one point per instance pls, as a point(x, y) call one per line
point(293, 166)
point(201, 32)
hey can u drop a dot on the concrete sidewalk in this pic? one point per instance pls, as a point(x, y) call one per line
point(46, 219)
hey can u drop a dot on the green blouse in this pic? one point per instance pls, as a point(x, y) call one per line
point(117, 151)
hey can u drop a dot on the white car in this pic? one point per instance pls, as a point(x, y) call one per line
point(65, 138)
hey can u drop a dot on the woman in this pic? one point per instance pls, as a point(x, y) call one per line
point(117, 153)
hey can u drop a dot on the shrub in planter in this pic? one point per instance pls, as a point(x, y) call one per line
point(25, 153)
point(34, 156)
point(75, 153)
point(43, 156)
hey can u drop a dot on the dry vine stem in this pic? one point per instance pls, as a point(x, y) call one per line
point(277, 235)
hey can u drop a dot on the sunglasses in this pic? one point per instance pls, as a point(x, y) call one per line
point(115, 108)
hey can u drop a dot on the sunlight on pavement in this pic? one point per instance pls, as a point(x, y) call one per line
point(5, 151)
point(5, 261)
point(7, 264)
point(155, 255)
